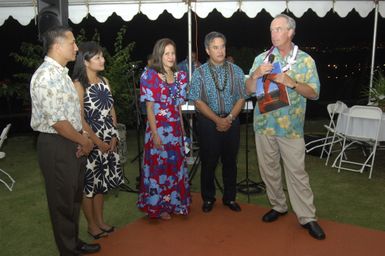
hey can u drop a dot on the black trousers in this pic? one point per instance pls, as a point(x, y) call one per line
point(64, 175)
point(214, 144)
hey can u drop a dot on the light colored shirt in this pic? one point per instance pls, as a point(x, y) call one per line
point(54, 97)
point(231, 83)
point(287, 121)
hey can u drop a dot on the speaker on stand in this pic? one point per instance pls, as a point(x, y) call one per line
point(51, 13)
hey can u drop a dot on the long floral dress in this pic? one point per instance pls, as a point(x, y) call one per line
point(103, 171)
point(164, 179)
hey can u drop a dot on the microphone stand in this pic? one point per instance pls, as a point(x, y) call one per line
point(138, 123)
point(124, 187)
point(248, 186)
point(138, 127)
point(197, 161)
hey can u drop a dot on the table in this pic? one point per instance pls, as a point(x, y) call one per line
point(189, 107)
point(360, 126)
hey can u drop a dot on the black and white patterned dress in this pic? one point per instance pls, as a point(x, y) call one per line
point(103, 171)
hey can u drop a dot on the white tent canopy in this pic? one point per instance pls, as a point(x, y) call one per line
point(26, 10)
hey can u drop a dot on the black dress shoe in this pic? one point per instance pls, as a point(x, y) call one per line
point(207, 206)
point(272, 215)
point(315, 230)
point(87, 248)
point(233, 206)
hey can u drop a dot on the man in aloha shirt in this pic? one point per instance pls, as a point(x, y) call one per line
point(279, 133)
point(218, 91)
point(61, 144)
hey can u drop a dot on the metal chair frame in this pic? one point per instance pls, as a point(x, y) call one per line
point(331, 137)
point(3, 136)
point(352, 137)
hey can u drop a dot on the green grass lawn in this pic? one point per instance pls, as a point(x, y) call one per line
point(25, 228)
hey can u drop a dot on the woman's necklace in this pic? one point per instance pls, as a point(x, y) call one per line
point(214, 76)
point(175, 94)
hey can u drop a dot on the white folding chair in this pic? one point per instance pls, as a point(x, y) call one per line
point(362, 128)
point(339, 108)
point(2, 155)
point(334, 109)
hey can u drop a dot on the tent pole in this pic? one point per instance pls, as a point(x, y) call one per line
point(374, 44)
point(191, 156)
point(189, 41)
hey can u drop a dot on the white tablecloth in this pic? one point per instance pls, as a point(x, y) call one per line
point(190, 108)
point(361, 126)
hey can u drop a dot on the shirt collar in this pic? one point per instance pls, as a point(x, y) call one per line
point(53, 62)
point(217, 68)
point(276, 52)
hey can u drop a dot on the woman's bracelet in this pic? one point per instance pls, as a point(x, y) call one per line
point(84, 132)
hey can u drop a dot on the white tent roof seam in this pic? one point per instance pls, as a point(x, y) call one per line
point(25, 10)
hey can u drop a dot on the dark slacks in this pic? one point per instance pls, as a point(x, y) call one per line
point(214, 144)
point(64, 174)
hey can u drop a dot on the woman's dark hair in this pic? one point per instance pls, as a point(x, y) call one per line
point(158, 52)
point(87, 50)
point(51, 36)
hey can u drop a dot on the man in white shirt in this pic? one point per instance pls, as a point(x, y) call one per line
point(61, 143)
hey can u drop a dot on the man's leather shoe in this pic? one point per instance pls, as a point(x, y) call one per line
point(87, 248)
point(315, 230)
point(272, 215)
point(234, 206)
point(207, 206)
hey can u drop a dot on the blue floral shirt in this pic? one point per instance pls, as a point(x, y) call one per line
point(54, 98)
point(203, 87)
point(287, 121)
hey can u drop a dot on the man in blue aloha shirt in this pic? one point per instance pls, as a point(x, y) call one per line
point(218, 91)
point(279, 133)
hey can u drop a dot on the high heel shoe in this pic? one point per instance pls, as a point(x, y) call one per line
point(165, 216)
point(99, 235)
point(110, 230)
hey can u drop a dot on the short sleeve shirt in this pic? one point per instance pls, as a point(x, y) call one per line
point(231, 81)
point(166, 97)
point(54, 98)
point(288, 121)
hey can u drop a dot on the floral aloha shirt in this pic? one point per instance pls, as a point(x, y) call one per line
point(288, 121)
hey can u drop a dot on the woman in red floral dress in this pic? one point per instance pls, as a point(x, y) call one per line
point(164, 185)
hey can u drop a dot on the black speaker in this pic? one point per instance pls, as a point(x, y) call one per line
point(51, 13)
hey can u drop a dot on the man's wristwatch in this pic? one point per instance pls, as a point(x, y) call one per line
point(231, 117)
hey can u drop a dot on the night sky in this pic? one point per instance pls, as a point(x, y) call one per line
point(330, 31)
point(345, 42)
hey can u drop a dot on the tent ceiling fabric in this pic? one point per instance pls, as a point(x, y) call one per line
point(25, 10)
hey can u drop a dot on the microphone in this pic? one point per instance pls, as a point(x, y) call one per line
point(271, 60)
